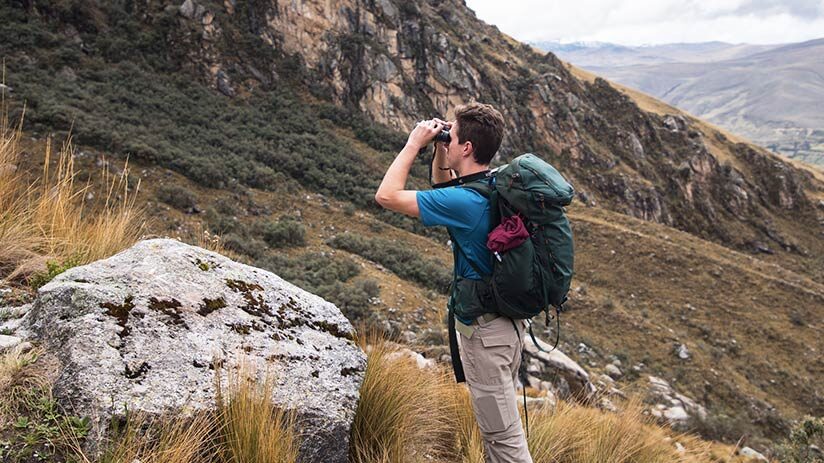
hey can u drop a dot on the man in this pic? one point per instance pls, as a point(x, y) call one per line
point(490, 345)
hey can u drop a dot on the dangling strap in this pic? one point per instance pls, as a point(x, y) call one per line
point(521, 344)
point(558, 311)
point(454, 350)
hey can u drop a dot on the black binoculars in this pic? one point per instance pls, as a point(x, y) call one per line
point(443, 136)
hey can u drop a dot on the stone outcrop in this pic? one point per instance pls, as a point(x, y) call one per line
point(672, 407)
point(571, 381)
point(147, 328)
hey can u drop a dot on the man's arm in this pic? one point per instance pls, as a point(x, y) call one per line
point(391, 193)
point(439, 172)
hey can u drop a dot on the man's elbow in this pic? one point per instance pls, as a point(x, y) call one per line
point(382, 198)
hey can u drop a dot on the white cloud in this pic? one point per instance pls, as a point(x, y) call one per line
point(656, 21)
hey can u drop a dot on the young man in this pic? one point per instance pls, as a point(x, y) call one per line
point(490, 345)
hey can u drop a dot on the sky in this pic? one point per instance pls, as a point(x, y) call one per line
point(640, 22)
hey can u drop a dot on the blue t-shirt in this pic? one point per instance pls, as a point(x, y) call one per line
point(465, 213)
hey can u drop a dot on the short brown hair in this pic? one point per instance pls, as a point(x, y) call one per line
point(483, 125)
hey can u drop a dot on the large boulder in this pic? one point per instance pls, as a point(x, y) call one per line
point(144, 329)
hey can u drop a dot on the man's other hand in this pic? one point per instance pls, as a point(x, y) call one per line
point(424, 132)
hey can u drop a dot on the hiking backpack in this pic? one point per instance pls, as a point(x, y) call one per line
point(534, 275)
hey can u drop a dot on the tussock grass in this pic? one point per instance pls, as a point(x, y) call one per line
point(49, 219)
point(406, 414)
point(175, 441)
point(469, 444)
point(15, 380)
point(246, 427)
point(401, 416)
point(253, 429)
point(573, 434)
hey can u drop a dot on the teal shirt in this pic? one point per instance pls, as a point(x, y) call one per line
point(465, 213)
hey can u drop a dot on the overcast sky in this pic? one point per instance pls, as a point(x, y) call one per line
point(638, 22)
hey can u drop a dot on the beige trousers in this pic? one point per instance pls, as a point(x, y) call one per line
point(491, 355)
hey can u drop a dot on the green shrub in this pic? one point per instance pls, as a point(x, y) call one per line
point(244, 244)
point(179, 197)
point(405, 262)
point(285, 232)
point(798, 447)
point(53, 268)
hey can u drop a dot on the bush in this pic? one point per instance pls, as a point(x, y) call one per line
point(179, 197)
point(798, 447)
point(405, 262)
point(286, 232)
point(247, 245)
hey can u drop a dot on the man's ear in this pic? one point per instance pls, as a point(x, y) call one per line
point(468, 149)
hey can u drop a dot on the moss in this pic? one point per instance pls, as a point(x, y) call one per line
point(240, 328)
point(169, 307)
point(121, 313)
point(210, 305)
point(333, 329)
point(255, 305)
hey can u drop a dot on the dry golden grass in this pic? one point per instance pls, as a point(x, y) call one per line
point(247, 427)
point(406, 413)
point(15, 379)
point(400, 416)
point(574, 434)
point(470, 446)
point(175, 441)
point(50, 220)
point(252, 428)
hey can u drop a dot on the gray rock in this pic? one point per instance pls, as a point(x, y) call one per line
point(680, 407)
point(752, 454)
point(11, 325)
point(576, 377)
point(187, 9)
point(682, 352)
point(8, 342)
point(224, 85)
point(613, 371)
point(676, 414)
point(144, 329)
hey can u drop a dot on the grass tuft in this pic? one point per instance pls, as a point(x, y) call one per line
point(400, 417)
point(253, 428)
point(49, 221)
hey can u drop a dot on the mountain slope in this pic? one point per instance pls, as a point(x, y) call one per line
point(771, 96)
point(600, 54)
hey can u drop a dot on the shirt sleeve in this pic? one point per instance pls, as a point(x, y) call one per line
point(448, 207)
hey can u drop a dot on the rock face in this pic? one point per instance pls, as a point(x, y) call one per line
point(146, 327)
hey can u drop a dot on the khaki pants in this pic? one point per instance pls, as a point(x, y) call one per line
point(491, 354)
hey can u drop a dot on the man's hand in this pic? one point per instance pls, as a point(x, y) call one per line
point(424, 132)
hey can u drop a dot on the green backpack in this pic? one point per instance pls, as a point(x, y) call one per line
point(535, 275)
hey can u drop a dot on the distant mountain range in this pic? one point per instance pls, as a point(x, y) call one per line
point(771, 94)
